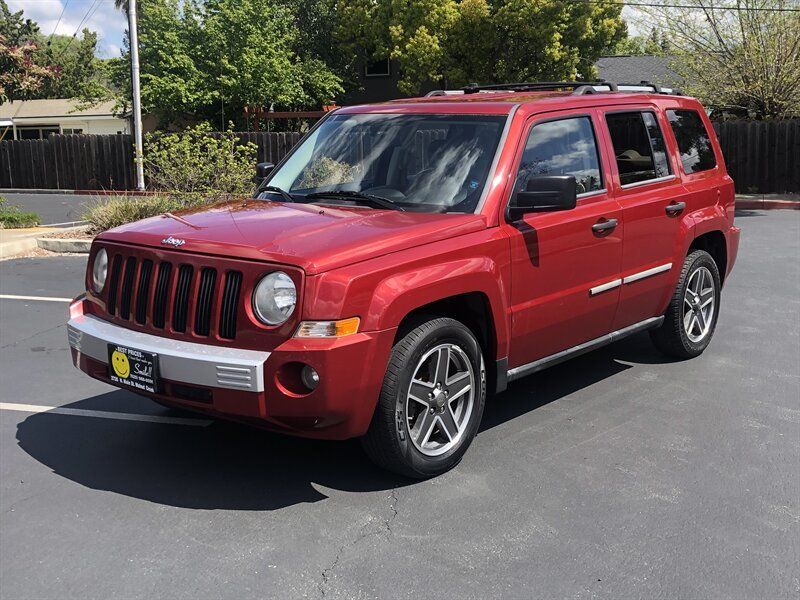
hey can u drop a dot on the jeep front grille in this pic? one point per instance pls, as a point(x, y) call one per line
point(143, 291)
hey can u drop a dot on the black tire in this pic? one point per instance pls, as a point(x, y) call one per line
point(671, 337)
point(387, 442)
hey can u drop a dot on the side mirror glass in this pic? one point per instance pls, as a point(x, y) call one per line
point(550, 192)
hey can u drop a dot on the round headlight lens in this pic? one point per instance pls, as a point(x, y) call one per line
point(99, 270)
point(274, 298)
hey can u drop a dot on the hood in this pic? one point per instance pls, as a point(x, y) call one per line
point(313, 237)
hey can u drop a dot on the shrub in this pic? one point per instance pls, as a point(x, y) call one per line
point(196, 163)
point(119, 210)
point(11, 217)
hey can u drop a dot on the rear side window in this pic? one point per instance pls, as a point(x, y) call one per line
point(638, 146)
point(697, 154)
point(563, 147)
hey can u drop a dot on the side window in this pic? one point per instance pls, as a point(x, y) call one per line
point(697, 154)
point(564, 147)
point(638, 146)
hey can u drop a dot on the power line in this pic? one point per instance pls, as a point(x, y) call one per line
point(63, 8)
point(690, 6)
point(96, 3)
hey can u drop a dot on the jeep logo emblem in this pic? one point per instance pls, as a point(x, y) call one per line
point(173, 241)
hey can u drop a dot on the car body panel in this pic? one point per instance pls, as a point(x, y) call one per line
point(537, 276)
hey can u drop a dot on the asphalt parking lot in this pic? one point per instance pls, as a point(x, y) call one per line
point(53, 208)
point(620, 474)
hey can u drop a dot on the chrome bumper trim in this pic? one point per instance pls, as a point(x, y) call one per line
point(185, 362)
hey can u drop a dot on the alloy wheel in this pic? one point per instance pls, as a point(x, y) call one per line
point(440, 399)
point(699, 302)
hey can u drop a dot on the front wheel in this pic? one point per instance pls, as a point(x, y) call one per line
point(691, 317)
point(431, 402)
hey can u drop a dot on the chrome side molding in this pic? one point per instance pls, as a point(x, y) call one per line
point(558, 357)
point(647, 273)
point(604, 287)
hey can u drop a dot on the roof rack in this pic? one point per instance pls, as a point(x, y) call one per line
point(579, 88)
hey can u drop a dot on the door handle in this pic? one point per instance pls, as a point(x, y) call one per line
point(604, 226)
point(675, 208)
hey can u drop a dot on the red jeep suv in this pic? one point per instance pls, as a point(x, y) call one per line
point(408, 258)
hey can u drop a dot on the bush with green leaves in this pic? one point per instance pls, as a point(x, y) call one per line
point(118, 210)
point(11, 217)
point(197, 164)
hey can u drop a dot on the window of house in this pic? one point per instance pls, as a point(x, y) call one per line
point(563, 147)
point(378, 68)
point(72, 130)
point(638, 146)
point(36, 133)
point(694, 144)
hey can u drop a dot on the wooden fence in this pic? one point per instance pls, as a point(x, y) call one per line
point(762, 157)
point(98, 162)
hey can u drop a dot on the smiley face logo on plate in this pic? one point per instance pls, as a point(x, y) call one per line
point(119, 362)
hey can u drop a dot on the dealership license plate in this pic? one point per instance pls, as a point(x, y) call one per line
point(133, 368)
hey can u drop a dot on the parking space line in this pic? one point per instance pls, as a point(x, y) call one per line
point(102, 414)
point(36, 298)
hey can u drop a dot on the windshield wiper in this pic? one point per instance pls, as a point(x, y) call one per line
point(378, 201)
point(276, 190)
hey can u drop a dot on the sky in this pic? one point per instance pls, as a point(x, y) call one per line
point(108, 22)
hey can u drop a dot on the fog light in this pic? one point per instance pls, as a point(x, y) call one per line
point(310, 377)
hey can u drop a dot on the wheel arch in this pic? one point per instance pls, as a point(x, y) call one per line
point(714, 243)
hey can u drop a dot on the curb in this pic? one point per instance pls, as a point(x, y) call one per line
point(768, 204)
point(76, 246)
point(11, 249)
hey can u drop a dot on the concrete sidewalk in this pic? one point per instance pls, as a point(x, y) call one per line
point(17, 241)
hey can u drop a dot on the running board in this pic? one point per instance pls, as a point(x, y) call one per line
point(559, 357)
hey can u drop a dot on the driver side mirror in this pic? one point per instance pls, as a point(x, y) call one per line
point(550, 192)
point(263, 169)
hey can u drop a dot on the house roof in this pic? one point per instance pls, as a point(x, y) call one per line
point(56, 108)
point(633, 69)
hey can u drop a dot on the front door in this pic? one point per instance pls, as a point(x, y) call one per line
point(565, 264)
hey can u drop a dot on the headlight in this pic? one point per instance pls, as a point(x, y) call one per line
point(274, 298)
point(99, 270)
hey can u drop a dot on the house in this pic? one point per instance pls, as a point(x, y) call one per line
point(36, 119)
point(635, 69)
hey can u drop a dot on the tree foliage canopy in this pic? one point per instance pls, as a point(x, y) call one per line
point(460, 41)
point(213, 58)
point(743, 55)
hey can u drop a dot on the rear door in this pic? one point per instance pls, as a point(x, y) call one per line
point(644, 182)
point(564, 268)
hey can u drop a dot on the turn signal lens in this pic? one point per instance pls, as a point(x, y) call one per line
point(322, 329)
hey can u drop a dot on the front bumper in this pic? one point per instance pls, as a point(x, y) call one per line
point(250, 385)
point(181, 362)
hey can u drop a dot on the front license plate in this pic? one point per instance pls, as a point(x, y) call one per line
point(133, 368)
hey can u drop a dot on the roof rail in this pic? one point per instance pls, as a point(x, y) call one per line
point(579, 88)
point(532, 86)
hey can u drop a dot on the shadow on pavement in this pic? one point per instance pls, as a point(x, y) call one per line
point(234, 467)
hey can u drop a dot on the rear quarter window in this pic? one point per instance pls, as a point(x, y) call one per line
point(697, 153)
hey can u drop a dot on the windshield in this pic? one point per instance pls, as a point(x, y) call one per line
point(428, 163)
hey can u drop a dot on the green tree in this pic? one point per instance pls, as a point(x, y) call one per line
point(461, 41)
point(744, 56)
point(210, 59)
point(655, 43)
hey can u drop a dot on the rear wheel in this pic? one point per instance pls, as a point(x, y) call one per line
point(431, 402)
point(691, 318)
